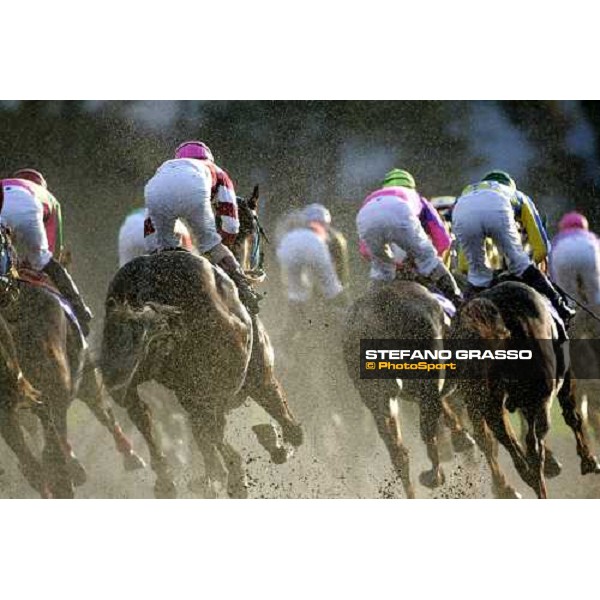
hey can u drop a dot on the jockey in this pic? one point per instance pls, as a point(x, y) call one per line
point(305, 257)
point(492, 208)
point(575, 259)
point(33, 214)
point(185, 187)
point(397, 215)
point(131, 236)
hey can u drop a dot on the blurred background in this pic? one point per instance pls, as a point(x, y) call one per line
point(97, 155)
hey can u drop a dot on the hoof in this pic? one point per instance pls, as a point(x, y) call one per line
point(269, 440)
point(432, 479)
point(133, 462)
point(238, 490)
point(552, 467)
point(76, 471)
point(462, 441)
point(165, 489)
point(507, 493)
point(589, 465)
point(294, 435)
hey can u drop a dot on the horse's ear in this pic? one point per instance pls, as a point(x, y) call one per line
point(253, 200)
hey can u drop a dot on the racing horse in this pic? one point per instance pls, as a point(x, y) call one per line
point(18, 394)
point(511, 313)
point(404, 310)
point(175, 318)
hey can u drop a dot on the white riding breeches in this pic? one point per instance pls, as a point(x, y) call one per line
point(575, 266)
point(178, 191)
point(24, 214)
point(305, 263)
point(486, 214)
point(389, 222)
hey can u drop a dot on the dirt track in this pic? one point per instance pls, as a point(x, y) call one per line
point(342, 456)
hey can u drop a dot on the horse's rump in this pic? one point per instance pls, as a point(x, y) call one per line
point(176, 309)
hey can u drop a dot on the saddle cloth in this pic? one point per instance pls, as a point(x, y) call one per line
point(41, 280)
point(447, 305)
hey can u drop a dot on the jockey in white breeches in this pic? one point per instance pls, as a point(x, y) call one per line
point(305, 259)
point(185, 188)
point(397, 215)
point(491, 209)
point(33, 214)
point(575, 259)
point(131, 237)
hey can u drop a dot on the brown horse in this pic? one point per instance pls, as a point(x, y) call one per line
point(18, 394)
point(402, 310)
point(586, 367)
point(514, 311)
point(174, 318)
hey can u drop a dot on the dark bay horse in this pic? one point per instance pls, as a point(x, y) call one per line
point(18, 394)
point(174, 318)
point(514, 311)
point(402, 310)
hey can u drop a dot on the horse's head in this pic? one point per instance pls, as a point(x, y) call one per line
point(248, 245)
point(129, 334)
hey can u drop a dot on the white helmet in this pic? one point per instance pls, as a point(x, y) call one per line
point(317, 212)
point(443, 202)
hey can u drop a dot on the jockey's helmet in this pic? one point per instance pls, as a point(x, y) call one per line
point(500, 177)
point(194, 149)
point(399, 178)
point(317, 212)
point(573, 220)
point(31, 175)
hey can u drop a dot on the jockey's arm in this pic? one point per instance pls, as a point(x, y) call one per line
point(535, 230)
point(228, 223)
point(53, 224)
point(435, 228)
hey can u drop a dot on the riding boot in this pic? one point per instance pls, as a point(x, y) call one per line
point(248, 296)
point(445, 282)
point(533, 277)
point(68, 289)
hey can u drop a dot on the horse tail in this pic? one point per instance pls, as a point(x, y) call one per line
point(483, 316)
point(157, 327)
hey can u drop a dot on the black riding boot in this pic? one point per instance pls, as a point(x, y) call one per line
point(447, 285)
point(533, 277)
point(68, 289)
point(248, 296)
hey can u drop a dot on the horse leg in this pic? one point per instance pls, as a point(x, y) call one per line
point(537, 428)
point(208, 429)
point(91, 396)
point(271, 397)
point(236, 476)
point(388, 426)
point(141, 416)
point(461, 438)
point(495, 417)
point(573, 418)
point(489, 446)
point(11, 432)
point(431, 409)
point(54, 457)
point(76, 469)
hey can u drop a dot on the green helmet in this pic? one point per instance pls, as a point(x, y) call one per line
point(500, 177)
point(399, 178)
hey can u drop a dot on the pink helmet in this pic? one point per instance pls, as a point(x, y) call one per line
point(573, 220)
point(194, 149)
